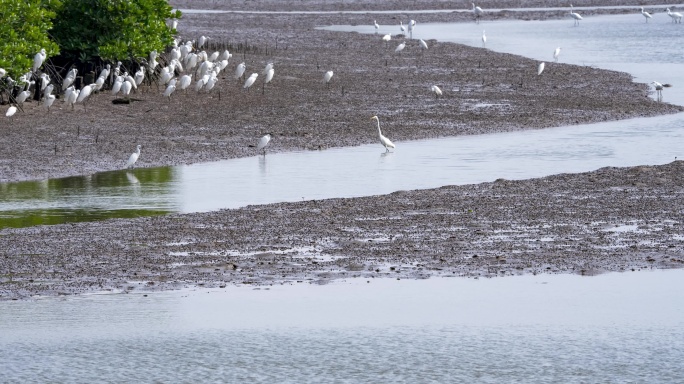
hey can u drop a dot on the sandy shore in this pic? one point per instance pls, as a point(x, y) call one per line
point(561, 224)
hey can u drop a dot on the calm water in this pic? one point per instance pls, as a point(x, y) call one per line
point(618, 327)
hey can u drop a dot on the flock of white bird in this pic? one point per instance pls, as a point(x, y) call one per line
point(189, 60)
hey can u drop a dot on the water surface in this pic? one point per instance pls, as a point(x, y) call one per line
point(617, 327)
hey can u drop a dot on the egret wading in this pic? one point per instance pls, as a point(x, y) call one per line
point(645, 14)
point(659, 89)
point(576, 16)
point(383, 140)
point(556, 53)
point(377, 27)
point(484, 39)
point(478, 12)
point(263, 142)
point(134, 157)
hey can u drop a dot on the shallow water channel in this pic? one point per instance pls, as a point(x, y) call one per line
point(624, 43)
point(617, 327)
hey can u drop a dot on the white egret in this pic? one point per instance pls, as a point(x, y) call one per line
point(267, 68)
point(400, 47)
point(117, 85)
point(152, 63)
point(71, 99)
point(85, 92)
point(69, 79)
point(22, 96)
point(576, 16)
point(423, 44)
point(48, 101)
point(240, 70)
point(184, 82)
point(38, 59)
point(387, 39)
point(211, 82)
point(436, 90)
point(2, 72)
point(201, 82)
point(134, 157)
point(222, 64)
point(225, 55)
point(484, 39)
point(48, 89)
point(250, 80)
point(478, 12)
point(169, 90)
point(67, 93)
point(659, 89)
point(269, 76)
point(326, 78)
point(263, 142)
point(166, 75)
point(540, 68)
point(556, 53)
point(130, 79)
point(410, 26)
point(139, 76)
point(11, 111)
point(401, 26)
point(377, 27)
point(202, 40)
point(214, 56)
point(126, 87)
point(383, 140)
point(105, 71)
point(44, 81)
point(676, 16)
point(645, 14)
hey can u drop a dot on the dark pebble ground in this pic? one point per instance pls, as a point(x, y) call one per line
point(558, 224)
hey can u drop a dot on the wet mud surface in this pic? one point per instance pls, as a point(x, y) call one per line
point(609, 220)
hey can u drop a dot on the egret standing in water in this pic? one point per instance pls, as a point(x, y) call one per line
point(134, 157)
point(383, 140)
point(484, 39)
point(377, 27)
point(646, 14)
point(540, 68)
point(659, 89)
point(576, 16)
point(556, 53)
point(478, 12)
point(676, 16)
point(263, 142)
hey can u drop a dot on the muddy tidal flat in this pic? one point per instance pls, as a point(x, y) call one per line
point(612, 219)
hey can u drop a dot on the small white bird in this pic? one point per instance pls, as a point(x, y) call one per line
point(377, 27)
point(240, 70)
point(250, 80)
point(48, 101)
point(659, 89)
point(267, 68)
point(169, 90)
point(383, 140)
point(269, 76)
point(556, 53)
point(423, 44)
point(411, 25)
point(478, 12)
point(11, 111)
point(263, 142)
point(387, 39)
point(105, 71)
point(184, 82)
point(71, 99)
point(576, 16)
point(540, 68)
point(126, 87)
point(117, 85)
point(22, 96)
point(645, 14)
point(436, 90)
point(401, 26)
point(400, 47)
point(202, 40)
point(326, 77)
point(134, 157)
point(69, 79)
point(38, 59)
point(139, 76)
point(85, 92)
point(484, 39)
